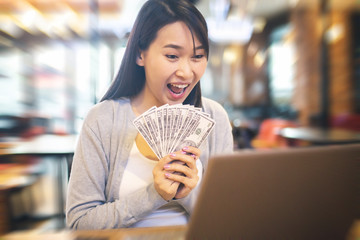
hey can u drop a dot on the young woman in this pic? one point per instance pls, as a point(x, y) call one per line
point(116, 181)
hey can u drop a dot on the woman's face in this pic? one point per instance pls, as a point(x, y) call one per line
point(172, 68)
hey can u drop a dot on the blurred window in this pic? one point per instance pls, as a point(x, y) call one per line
point(281, 66)
point(11, 82)
point(50, 81)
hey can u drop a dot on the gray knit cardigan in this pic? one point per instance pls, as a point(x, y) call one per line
point(100, 159)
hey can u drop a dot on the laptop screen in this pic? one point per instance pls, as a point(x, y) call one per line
point(296, 193)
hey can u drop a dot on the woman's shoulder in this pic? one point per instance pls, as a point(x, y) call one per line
point(212, 107)
point(215, 109)
point(105, 110)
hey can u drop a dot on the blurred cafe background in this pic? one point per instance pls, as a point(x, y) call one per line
point(286, 71)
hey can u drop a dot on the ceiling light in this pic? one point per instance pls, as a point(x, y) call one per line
point(230, 31)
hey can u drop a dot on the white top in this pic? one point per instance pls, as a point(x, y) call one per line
point(137, 175)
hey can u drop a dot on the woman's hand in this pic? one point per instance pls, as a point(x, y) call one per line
point(165, 187)
point(183, 170)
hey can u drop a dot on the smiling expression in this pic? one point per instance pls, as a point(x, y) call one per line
point(172, 68)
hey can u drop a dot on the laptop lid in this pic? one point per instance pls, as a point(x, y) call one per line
point(297, 193)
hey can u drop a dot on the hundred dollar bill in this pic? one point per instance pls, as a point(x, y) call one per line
point(187, 116)
point(150, 121)
point(198, 133)
point(171, 127)
point(163, 113)
point(176, 124)
point(168, 128)
point(140, 124)
point(161, 128)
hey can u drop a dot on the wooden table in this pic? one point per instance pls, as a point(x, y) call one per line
point(56, 147)
point(168, 233)
point(173, 233)
point(41, 145)
point(319, 136)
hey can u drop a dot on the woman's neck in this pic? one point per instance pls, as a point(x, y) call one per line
point(141, 104)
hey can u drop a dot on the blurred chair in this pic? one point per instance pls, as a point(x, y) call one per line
point(243, 132)
point(269, 134)
point(346, 121)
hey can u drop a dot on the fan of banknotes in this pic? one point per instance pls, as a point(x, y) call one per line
point(169, 128)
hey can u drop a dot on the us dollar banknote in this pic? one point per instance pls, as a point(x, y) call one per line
point(169, 128)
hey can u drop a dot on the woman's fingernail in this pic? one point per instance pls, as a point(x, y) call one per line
point(183, 152)
point(173, 155)
point(193, 155)
point(167, 166)
point(167, 175)
point(185, 148)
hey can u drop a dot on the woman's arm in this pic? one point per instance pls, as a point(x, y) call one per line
point(88, 206)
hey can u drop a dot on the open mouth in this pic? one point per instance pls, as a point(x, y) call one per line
point(177, 88)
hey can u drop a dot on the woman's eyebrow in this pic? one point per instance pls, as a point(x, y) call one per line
point(180, 47)
point(200, 47)
point(173, 46)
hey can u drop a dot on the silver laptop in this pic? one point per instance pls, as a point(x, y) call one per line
point(298, 193)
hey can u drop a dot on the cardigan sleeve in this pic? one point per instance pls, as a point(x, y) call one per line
point(221, 140)
point(88, 206)
point(224, 141)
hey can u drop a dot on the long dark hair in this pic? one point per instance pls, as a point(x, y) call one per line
point(154, 15)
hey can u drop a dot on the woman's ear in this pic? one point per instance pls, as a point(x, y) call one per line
point(139, 60)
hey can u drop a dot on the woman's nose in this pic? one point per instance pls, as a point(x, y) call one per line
point(184, 70)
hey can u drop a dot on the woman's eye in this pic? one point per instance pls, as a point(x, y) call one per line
point(199, 56)
point(171, 56)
